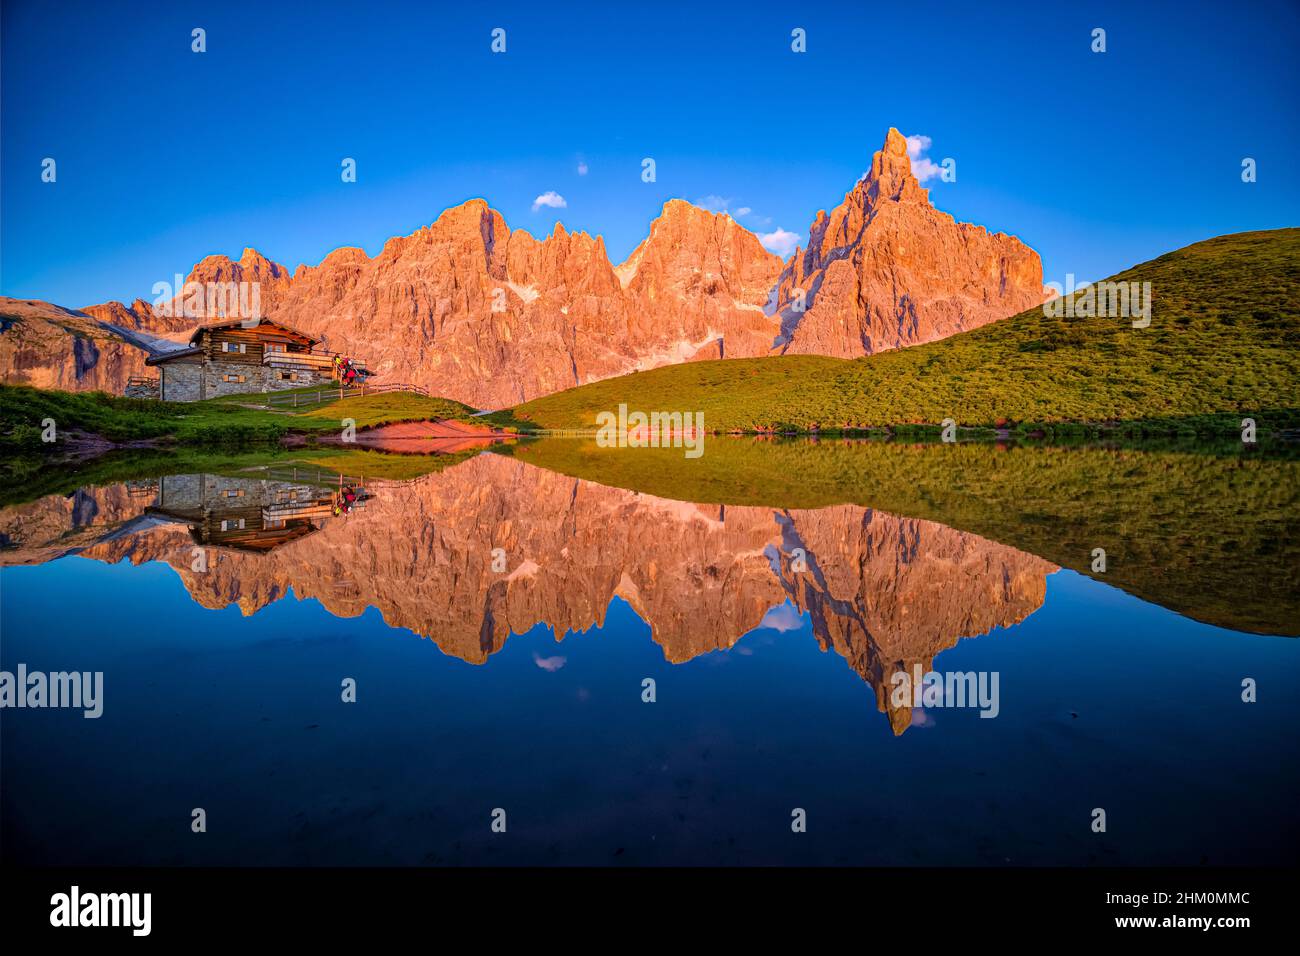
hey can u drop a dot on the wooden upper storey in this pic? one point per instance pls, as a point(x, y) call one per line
point(238, 343)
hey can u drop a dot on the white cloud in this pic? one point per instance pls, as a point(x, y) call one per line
point(917, 144)
point(781, 242)
point(549, 198)
point(923, 167)
point(713, 203)
point(782, 618)
point(582, 168)
point(549, 664)
point(718, 204)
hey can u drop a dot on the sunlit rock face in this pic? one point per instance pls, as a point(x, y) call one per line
point(475, 311)
point(889, 593)
point(885, 269)
point(493, 317)
point(885, 593)
point(47, 346)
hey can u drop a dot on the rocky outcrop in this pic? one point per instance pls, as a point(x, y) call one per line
point(888, 593)
point(886, 269)
point(697, 287)
point(47, 346)
point(492, 317)
point(883, 592)
point(138, 315)
point(470, 309)
point(210, 292)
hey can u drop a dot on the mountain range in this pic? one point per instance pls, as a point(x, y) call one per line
point(493, 317)
point(885, 593)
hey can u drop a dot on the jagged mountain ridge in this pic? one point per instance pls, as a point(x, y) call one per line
point(490, 316)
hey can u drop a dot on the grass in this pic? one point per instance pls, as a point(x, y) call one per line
point(371, 464)
point(388, 408)
point(26, 478)
point(1224, 342)
point(219, 421)
point(1213, 536)
point(23, 409)
point(218, 436)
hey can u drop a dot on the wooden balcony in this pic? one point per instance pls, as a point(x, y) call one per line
point(284, 510)
point(309, 360)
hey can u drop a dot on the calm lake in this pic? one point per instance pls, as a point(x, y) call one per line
point(622, 656)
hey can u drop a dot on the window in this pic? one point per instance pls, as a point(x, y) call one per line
point(234, 492)
point(275, 348)
point(232, 524)
point(235, 378)
point(288, 376)
point(234, 347)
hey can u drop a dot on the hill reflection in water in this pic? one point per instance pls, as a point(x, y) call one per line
point(494, 547)
point(772, 612)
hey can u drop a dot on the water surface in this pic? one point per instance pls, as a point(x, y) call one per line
point(502, 615)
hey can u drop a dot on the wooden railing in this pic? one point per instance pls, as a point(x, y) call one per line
point(313, 361)
point(321, 478)
point(142, 488)
point(331, 356)
point(142, 389)
point(323, 394)
point(300, 359)
point(394, 387)
point(283, 510)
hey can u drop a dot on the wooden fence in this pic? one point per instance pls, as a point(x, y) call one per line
point(323, 394)
point(323, 478)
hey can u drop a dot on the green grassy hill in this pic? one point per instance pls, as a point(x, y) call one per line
point(226, 420)
point(1224, 338)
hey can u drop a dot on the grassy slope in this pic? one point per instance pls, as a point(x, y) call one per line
point(1215, 537)
point(1224, 337)
point(391, 407)
point(214, 421)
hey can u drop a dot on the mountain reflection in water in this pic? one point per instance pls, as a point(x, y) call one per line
point(885, 593)
point(225, 605)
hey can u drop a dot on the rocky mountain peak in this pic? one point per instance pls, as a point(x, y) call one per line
point(476, 312)
point(253, 261)
point(891, 174)
point(885, 269)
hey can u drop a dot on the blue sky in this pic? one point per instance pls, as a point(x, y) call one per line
point(164, 156)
